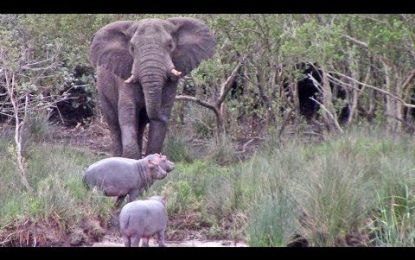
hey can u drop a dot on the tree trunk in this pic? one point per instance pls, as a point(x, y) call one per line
point(392, 106)
point(329, 113)
point(20, 162)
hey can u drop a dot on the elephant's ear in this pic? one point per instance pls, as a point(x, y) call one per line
point(194, 43)
point(109, 48)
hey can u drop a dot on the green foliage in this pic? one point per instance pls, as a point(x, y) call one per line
point(55, 172)
point(266, 40)
point(222, 151)
point(176, 149)
point(37, 128)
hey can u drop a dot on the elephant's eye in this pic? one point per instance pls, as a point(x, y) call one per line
point(131, 48)
point(170, 45)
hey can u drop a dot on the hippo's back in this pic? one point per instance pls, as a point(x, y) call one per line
point(145, 217)
point(112, 162)
point(113, 169)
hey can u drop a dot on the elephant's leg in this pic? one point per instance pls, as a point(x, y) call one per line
point(156, 136)
point(142, 122)
point(111, 117)
point(158, 126)
point(127, 118)
point(116, 140)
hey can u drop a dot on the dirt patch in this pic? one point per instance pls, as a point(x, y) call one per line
point(95, 137)
point(30, 233)
point(113, 241)
point(51, 232)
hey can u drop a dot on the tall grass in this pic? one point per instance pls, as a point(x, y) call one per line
point(55, 173)
point(353, 189)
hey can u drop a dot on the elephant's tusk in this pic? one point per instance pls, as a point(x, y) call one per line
point(176, 72)
point(129, 80)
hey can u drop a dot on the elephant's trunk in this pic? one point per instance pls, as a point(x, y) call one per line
point(153, 97)
point(151, 72)
point(152, 68)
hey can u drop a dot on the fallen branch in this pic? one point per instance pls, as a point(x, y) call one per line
point(245, 145)
point(313, 133)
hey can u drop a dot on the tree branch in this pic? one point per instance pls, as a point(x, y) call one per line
point(408, 80)
point(225, 86)
point(358, 42)
point(330, 114)
point(196, 100)
point(375, 88)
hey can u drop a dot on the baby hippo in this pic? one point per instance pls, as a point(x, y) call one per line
point(117, 176)
point(143, 219)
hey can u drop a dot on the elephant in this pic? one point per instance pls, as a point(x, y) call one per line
point(138, 65)
point(308, 87)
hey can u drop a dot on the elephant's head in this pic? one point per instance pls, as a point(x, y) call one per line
point(151, 52)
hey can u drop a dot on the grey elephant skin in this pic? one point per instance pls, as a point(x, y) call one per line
point(138, 65)
point(118, 176)
point(143, 219)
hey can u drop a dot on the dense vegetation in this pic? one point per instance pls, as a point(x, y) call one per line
point(265, 172)
point(369, 57)
point(353, 190)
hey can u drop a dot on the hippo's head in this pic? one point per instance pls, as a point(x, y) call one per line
point(156, 171)
point(167, 165)
point(162, 160)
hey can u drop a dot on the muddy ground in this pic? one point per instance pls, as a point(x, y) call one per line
point(114, 241)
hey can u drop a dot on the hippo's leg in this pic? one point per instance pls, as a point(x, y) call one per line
point(161, 238)
point(119, 200)
point(135, 240)
point(127, 241)
point(133, 195)
point(145, 241)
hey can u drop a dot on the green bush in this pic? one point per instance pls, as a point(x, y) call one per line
point(176, 149)
point(272, 221)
